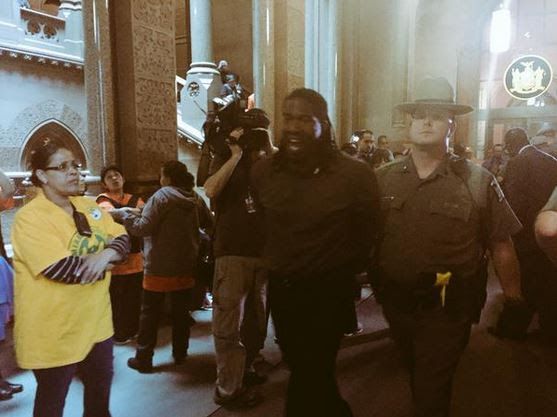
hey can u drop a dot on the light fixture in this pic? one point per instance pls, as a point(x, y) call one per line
point(500, 34)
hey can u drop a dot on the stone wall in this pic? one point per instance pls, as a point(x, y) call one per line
point(33, 94)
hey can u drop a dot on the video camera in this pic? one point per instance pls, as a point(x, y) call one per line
point(254, 122)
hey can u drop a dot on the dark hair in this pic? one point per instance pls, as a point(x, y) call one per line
point(327, 147)
point(41, 155)
point(110, 168)
point(516, 138)
point(178, 174)
point(231, 76)
point(363, 131)
point(381, 137)
point(316, 100)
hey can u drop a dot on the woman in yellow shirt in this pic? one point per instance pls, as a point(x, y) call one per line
point(64, 246)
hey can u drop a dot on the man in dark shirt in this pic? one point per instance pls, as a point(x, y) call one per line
point(545, 229)
point(240, 281)
point(441, 214)
point(321, 209)
point(530, 178)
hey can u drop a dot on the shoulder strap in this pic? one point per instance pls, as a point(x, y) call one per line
point(132, 202)
point(115, 203)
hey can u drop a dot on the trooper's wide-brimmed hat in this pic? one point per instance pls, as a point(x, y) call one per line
point(435, 92)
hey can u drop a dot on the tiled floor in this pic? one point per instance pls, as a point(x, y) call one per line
point(495, 379)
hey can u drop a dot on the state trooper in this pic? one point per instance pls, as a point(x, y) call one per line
point(441, 214)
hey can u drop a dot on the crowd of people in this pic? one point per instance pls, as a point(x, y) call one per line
point(291, 226)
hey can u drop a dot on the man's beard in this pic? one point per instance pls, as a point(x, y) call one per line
point(299, 147)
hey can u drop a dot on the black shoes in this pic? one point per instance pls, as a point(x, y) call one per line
point(13, 388)
point(5, 394)
point(141, 366)
point(7, 390)
point(244, 399)
point(252, 378)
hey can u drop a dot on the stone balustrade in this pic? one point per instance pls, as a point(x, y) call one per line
point(42, 27)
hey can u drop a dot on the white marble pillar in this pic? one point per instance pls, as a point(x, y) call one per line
point(71, 12)
point(333, 75)
point(263, 55)
point(322, 71)
point(201, 31)
point(311, 47)
point(203, 80)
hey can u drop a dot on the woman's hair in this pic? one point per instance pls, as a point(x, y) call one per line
point(178, 174)
point(110, 168)
point(40, 157)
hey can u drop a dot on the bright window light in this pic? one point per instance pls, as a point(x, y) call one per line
point(500, 36)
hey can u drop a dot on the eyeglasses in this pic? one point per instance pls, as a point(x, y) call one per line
point(435, 115)
point(64, 167)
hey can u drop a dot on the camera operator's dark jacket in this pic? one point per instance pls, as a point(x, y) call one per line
point(237, 232)
point(170, 224)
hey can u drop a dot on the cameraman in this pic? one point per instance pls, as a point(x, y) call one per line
point(240, 281)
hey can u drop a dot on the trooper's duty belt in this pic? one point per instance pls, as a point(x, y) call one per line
point(429, 292)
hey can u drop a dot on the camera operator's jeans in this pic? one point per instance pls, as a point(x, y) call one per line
point(239, 319)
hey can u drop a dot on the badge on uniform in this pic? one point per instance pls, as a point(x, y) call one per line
point(495, 185)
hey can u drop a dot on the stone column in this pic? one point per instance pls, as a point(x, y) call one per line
point(201, 31)
point(146, 90)
point(402, 47)
point(311, 47)
point(264, 55)
point(351, 78)
point(323, 60)
point(99, 88)
point(71, 11)
point(467, 92)
point(203, 80)
point(333, 76)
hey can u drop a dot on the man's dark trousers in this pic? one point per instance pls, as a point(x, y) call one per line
point(432, 343)
point(310, 318)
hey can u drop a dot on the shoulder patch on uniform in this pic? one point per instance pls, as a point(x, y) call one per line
point(495, 185)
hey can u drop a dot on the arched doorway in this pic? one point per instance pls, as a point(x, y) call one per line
point(53, 130)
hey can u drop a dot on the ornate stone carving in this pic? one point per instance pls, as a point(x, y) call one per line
point(155, 14)
point(32, 117)
point(156, 104)
point(153, 51)
point(154, 147)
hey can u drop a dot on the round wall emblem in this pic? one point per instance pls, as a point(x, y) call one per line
point(193, 89)
point(528, 77)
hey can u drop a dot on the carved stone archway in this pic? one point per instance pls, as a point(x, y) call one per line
point(32, 118)
point(54, 130)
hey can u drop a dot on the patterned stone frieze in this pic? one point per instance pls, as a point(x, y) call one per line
point(156, 104)
point(154, 147)
point(155, 14)
point(153, 52)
